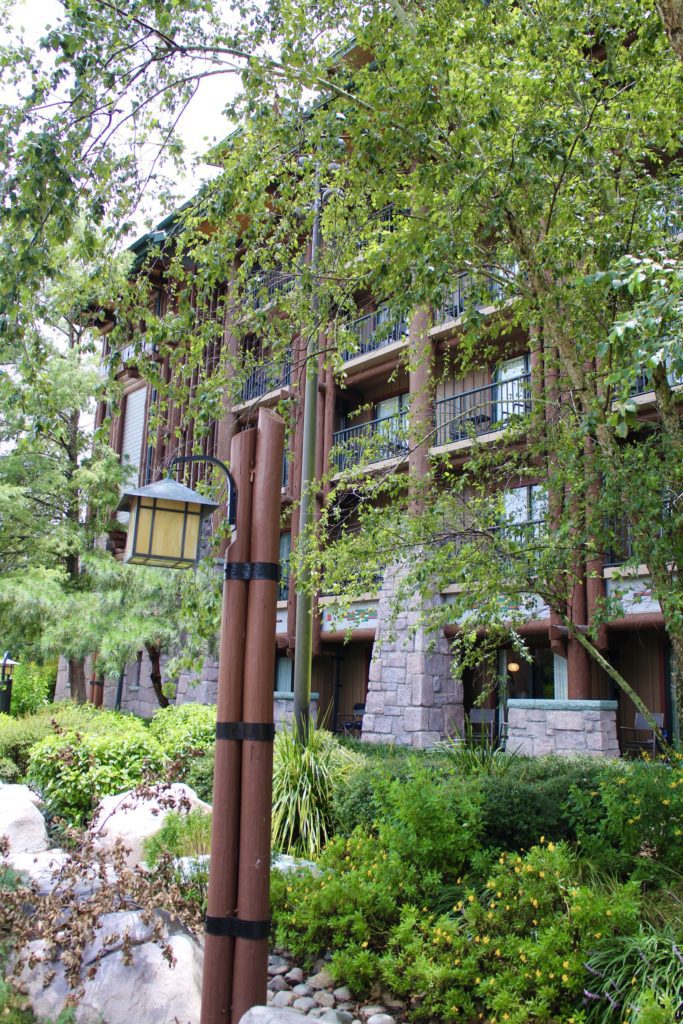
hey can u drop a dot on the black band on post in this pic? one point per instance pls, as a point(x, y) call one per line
point(97, 682)
point(263, 731)
point(236, 928)
point(252, 571)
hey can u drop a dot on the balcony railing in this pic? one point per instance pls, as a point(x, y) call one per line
point(383, 219)
point(264, 288)
point(266, 378)
point(465, 290)
point(481, 410)
point(374, 441)
point(375, 331)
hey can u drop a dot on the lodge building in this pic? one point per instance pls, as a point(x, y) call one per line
point(402, 686)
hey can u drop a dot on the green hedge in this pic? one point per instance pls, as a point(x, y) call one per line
point(18, 735)
point(72, 771)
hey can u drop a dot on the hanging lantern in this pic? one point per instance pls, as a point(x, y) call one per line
point(165, 525)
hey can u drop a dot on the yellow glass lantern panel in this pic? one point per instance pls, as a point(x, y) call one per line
point(163, 533)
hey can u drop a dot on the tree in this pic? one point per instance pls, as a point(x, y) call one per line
point(541, 136)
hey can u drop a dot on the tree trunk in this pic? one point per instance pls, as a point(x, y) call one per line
point(77, 680)
point(671, 13)
point(155, 675)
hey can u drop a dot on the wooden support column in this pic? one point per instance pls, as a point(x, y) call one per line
point(225, 830)
point(250, 973)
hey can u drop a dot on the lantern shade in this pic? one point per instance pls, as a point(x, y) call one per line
point(165, 524)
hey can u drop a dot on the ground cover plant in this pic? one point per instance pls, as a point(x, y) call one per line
point(548, 891)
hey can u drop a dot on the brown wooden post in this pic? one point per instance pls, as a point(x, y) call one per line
point(250, 973)
point(222, 895)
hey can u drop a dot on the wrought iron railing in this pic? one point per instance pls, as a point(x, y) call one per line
point(466, 290)
point(266, 286)
point(375, 331)
point(373, 441)
point(265, 378)
point(384, 219)
point(481, 410)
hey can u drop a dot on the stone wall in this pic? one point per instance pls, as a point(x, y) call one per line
point(413, 699)
point(139, 698)
point(537, 727)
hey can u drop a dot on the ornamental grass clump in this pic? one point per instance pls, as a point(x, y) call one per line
point(306, 771)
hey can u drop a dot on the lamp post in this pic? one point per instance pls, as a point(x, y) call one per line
point(165, 530)
point(6, 679)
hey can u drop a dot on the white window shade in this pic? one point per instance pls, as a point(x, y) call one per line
point(133, 429)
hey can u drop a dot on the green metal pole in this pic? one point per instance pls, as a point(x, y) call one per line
point(303, 652)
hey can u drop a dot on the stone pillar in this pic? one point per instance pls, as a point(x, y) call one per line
point(413, 699)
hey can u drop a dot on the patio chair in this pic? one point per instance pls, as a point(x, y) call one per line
point(482, 726)
point(641, 737)
point(352, 725)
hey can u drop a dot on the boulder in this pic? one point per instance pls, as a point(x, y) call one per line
point(21, 821)
point(41, 868)
point(133, 817)
point(271, 1015)
point(148, 989)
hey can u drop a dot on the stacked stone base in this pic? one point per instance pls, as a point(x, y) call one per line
point(566, 727)
point(413, 699)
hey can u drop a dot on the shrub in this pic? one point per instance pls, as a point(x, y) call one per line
point(17, 735)
point(358, 800)
point(181, 835)
point(530, 801)
point(74, 770)
point(631, 821)
point(423, 842)
point(184, 731)
point(199, 774)
point(33, 687)
point(305, 775)
point(186, 836)
point(9, 772)
point(515, 950)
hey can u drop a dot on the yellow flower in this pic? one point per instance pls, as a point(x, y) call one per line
point(598, 935)
point(565, 963)
point(364, 944)
point(551, 847)
point(486, 940)
point(565, 977)
point(538, 973)
point(470, 898)
point(666, 802)
point(542, 839)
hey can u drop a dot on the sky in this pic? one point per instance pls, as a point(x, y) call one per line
point(201, 126)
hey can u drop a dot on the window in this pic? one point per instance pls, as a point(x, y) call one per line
point(511, 393)
point(284, 674)
point(133, 429)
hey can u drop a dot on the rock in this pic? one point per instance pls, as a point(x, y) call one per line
point(304, 1004)
point(149, 990)
point(301, 990)
point(278, 984)
point(380, 1018)
point(295, 976)
point(338, 1016)
point(343, 994)
point(270, 1015)
point(371, 1011)
point(320, 965)
point(277, 965)
point(285, 864)
point(317, 1012)
point(269, 995)
point(41, 868)
point(320, 980)
point(132, 818)
point(324, 998)
point(394, 1005)
point(282, 999)
point(21, 821)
